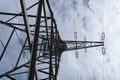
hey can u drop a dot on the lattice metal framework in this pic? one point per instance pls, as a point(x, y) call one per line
point(41, 43)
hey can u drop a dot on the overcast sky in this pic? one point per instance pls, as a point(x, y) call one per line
point(91, 18)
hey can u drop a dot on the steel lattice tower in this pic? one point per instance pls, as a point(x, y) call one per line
point(42, 42)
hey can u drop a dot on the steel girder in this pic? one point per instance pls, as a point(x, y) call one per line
point(43, 64)
point(42, 44)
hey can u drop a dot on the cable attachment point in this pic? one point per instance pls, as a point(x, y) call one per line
point(103, 38)
point(85, 49)
point(76, 52)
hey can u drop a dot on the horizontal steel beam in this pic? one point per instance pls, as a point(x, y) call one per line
point(73, 45)
point(22, 12)
point(15, 14)
point(12, 70)
point(11, 26)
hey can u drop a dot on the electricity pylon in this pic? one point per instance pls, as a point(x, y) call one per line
point(42, 42)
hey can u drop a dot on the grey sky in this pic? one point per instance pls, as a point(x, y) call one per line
point(88, 16)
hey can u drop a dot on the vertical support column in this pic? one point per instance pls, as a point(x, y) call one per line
point(35, 43)
point(27, 27)
point(51, 42)
point(56, 55)
point(51, 49)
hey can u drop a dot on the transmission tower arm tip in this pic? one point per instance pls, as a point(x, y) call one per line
point(71, 45)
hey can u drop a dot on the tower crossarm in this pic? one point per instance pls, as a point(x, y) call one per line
point(73, 45)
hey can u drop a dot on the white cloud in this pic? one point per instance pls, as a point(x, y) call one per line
point(92, 28)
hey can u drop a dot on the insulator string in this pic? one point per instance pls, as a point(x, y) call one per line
point(76, 51)
point(75, 36)
point(103, 37)
point(76, 54)
point(85, 39)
